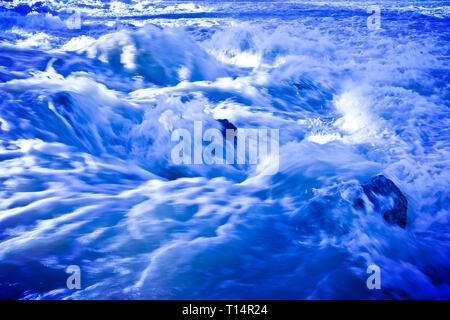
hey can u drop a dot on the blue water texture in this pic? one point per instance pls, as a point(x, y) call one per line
point(91, 92)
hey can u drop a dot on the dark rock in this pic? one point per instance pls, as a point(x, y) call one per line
point(387, 199)
point(226, 125)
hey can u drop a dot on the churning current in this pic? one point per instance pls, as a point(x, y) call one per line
point(91, 93)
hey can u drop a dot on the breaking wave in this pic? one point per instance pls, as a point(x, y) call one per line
point(86, 117)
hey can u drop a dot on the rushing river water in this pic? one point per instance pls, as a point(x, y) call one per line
point(92, 91)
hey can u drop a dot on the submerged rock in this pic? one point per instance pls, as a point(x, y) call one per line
point(227, 124)
point(387, 199)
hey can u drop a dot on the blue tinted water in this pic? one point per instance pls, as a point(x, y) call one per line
point(86, 176)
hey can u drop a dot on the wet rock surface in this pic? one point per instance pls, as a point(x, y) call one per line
point(387, 199)
point(226, 125)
